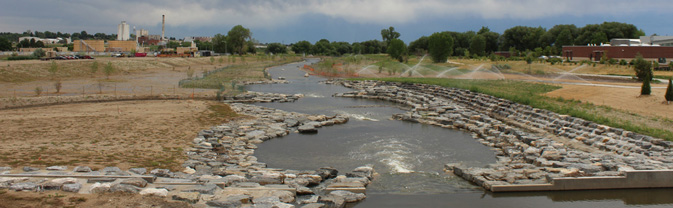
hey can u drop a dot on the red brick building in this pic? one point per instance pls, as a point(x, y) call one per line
point(146, 41)
point(617, 52)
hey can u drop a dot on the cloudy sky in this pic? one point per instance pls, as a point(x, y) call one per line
point(289, 21)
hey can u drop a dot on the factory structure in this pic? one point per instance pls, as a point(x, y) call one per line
point(659, 48)
point(140, 44)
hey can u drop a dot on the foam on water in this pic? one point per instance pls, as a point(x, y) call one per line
point(396, 154)
point(356, 116)
point(313, 95)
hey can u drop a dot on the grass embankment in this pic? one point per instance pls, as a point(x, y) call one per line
point(533, 94)
point(228, 76)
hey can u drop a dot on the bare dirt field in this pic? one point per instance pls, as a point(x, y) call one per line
point(124, 134)
point(627, 99)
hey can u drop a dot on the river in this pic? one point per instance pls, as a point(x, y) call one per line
point(408, 157)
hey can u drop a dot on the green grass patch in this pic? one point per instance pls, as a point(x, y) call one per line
point(533, 94)
point(223, 78)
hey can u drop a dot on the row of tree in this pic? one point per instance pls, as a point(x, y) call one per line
point(516, 40)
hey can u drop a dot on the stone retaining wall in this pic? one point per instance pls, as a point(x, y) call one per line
point(532, 145)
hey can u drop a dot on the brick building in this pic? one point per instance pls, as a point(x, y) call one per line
point(595, 53)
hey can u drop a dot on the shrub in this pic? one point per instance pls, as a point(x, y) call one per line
point(529, 59)
point(38, 91)
point(39, 53)
point(16, 58)
point(623, 62)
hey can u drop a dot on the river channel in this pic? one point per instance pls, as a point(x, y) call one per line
point(408, 157)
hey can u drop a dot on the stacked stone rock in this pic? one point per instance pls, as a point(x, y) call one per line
point(221, 169)
point(259, 97)
point(225, 155)
point(532, 145)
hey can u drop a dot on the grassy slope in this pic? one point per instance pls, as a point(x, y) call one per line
point(532, 94)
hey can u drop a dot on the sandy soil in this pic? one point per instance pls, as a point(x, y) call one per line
point(627, 99)
point(124, 134)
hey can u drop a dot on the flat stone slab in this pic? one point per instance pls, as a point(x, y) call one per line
point(148, 178)
point(270, 187)
point(632, 180)
point(101, 180)
point(361, 190)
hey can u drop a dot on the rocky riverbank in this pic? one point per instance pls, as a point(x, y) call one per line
point(532, 145)
point(221, 170)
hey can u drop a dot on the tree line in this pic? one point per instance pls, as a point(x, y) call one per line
point(518, 40)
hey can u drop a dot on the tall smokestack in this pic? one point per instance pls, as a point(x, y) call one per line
point(163, 27)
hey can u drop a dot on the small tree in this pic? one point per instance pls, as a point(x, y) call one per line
point(53, 68)
point(646, 89)
point(221, 60)
point(190, 72)
point(440, 46)
point(57, 86)
point(109, 69)
point(669, 92)
point(94, 68)
point(38, 91)
point(643, 68)
point(396, 49)
point(212, 60)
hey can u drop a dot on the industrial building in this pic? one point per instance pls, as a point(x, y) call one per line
point(123, 32)
point(650, 47)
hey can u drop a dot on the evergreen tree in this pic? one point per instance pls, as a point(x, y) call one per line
point(669, 91)
point(646, 89)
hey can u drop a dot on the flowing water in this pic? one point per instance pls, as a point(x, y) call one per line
point(408, 156)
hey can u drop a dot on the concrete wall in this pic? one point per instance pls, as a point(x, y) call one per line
point(97, 45)
point(125, 46)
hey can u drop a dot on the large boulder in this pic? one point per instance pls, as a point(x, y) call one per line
point(72, 187)
point(307, 129)
point(190, 197)
point(154, 191)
